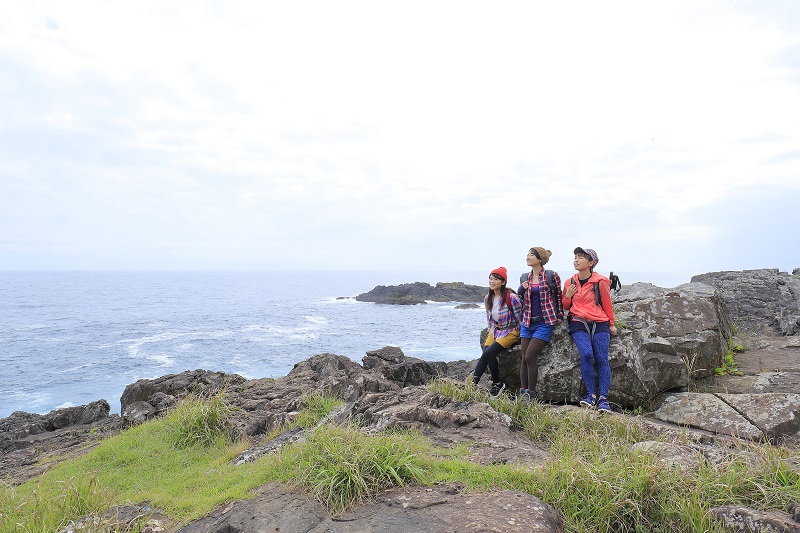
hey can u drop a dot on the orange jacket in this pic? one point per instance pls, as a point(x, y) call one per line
point(583, 305)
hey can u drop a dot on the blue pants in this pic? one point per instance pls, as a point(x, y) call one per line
point(594, 360)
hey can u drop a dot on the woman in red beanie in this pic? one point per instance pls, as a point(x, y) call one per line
point(503, 313)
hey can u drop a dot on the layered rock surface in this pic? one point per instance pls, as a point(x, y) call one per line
point(763, 301)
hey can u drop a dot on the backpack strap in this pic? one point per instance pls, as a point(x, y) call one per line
point(550, 280)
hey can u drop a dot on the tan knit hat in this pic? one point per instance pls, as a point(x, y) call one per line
point(542, 254)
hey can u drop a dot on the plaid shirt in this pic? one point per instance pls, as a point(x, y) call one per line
point(552, 308)
point(508, 319)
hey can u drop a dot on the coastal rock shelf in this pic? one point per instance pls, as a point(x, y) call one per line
point(670, 342)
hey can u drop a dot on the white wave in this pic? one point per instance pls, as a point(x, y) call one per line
point(340, 300)
point(64, 405)
point(319, 320)
point(162, 359)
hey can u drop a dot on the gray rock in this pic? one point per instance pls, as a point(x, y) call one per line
point(749, 416)
point(140, 518)
point(178, 385)
point(448, 422)
point(776, 415)
point(20, 425)
point(759, 301)
point(137, 413)
point(419, 292)
point(405, 371)
point(437, 509)
point(705, 411)
point(746, 520)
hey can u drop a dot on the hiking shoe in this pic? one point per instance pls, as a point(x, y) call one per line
point(524, 397)
point(602, 405)
point(496, 389)
point(588, 401)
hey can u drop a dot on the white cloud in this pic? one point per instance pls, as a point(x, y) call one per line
point(256, 134)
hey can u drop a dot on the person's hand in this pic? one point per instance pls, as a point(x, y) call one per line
point(525, 284)
point(613, 330)
point(571, 291)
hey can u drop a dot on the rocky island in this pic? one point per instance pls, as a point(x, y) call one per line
point(419, 293)
point(704, 382)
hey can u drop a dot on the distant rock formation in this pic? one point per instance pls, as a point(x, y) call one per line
point(759, 301)
point(419, 292)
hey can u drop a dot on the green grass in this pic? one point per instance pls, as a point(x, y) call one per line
point(182, 465)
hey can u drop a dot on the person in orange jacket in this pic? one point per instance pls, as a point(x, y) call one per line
point(587, 297)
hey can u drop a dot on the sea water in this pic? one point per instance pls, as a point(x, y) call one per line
point(69, 338)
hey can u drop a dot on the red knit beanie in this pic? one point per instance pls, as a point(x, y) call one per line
point(500, 271)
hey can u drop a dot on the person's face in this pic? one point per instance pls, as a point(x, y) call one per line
point(495, 282)
point(532, 260)
point(581, 262)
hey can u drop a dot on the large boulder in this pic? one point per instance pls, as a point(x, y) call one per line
point(759, 301)
point(666, 337)
point(162, 392)
point(393, 364)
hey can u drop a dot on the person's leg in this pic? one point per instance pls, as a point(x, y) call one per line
point(600, 344)
point(530, 358)
point(490, 353)
point(523, 367)
point(584, 344)
point(488, 359)
point(480, 368)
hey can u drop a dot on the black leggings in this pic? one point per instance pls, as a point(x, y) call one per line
point(489, 358)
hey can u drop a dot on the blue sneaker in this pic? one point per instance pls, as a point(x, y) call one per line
point(527, 396)
point(588, 401)
point(602, 405)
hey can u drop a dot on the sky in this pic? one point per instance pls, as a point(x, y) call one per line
point(435, 135)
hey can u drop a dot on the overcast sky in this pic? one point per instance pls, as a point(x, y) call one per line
point(399, 135)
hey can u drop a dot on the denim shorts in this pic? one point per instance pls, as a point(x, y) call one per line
point(538, 330)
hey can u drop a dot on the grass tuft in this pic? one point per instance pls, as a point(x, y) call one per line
point(317, 407)
point(200, 421)
point(342, 466)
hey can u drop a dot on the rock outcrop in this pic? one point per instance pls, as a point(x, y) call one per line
point(666, 337)
point(759, 301)
point(419, 292)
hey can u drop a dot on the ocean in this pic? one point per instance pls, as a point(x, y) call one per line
point(70, 338)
